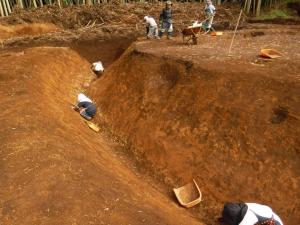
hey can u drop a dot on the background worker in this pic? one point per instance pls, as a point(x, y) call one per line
point(98, 68)
point(210, 11)
point(85, 107)
point(151, 27)
point(165, 20)
point(248, 214)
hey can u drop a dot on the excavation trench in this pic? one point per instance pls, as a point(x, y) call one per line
point(54, 169)
point(232, 127)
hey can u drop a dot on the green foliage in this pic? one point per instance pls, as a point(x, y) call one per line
point(275, 13)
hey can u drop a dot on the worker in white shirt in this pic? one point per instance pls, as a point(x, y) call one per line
point(98, 68)
point(85, 107)
point(248, 214)
point(210, 12)
point(151, 27)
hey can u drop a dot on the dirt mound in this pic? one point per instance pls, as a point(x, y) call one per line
point(54, 169)
point(26, 29)
point(232, 123)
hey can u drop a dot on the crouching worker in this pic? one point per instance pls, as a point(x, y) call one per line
point(151, 27)
point(85, 107)
point(165, 20)
point(248, 214)
point(98, 68)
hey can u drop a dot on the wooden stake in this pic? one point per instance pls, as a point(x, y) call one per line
point(237, 24)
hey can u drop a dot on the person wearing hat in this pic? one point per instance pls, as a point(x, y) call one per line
point(248, 214)
point(98, 68)
point(165, 20)
point(85, 107)
point(210, 11)
point(151, 27)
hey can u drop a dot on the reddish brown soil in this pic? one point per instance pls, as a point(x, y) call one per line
point(26, 29)
point(179, 112)
point(232, 123)
point(54, 169)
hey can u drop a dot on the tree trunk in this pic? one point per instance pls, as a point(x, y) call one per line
point(1, 9)
point(4, 8)
point(89, 2)
point(245, 5)
point(20, 4)
point(248, 6)
point(59, 4)
point(258, 8)
point(8, 7)
point(41, 3)
point(34, 3)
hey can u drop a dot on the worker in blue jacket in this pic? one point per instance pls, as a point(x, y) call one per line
point(165, 20)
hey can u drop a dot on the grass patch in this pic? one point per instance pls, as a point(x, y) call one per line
point(275, 13)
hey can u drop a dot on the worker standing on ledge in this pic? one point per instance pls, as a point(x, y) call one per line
point(248, 214)
point(210, 11)
point(151, 27)
point(165, 20)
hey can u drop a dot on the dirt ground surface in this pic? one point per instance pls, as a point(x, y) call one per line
point(230, 122)
point(168, 113)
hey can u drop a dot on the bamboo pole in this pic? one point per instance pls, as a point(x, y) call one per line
point(237, 24)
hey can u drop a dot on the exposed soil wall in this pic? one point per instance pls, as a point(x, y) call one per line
point(235, 130)
point(53, 168)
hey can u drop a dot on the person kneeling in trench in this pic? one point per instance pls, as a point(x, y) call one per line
point(248, 214)
point(85, 107)
point(98, 68)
